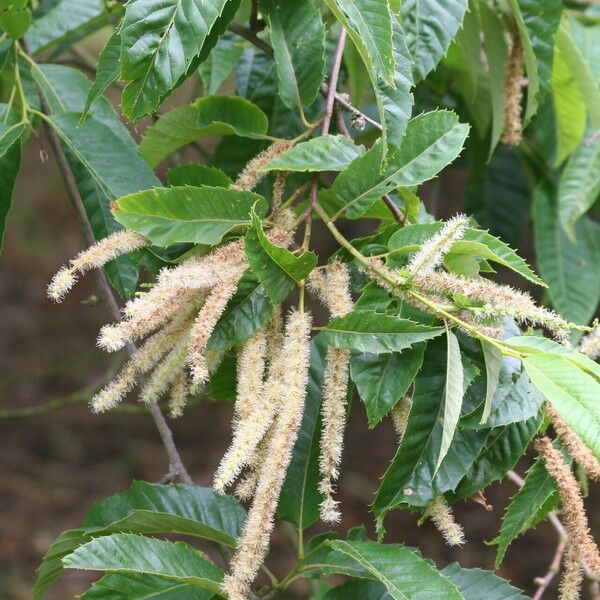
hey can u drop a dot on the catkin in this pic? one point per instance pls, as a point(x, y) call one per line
point(570, 585)
point(577, 449)
point(399, 415)
point(441, 515)
point(513, 92)
point(252, 545)
point(253, 173)
point(179, 394)
point(573, 510)
point(94, 257)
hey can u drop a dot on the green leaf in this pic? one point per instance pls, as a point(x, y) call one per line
point(579, 184)
point(155, 508)
point(580, 71)
point(356, 589)
point(65, 17)
point(197, 176)
point(136, 586)
point(246, 313)
point(129, 553)
point(493, 366)
point(10, 163)
point(453, 395)
point(569, 108)
point(494, 44)
point(107, 70)
point(160, 40)
point(210, 116)
point(298, 39)
point(51, 568)
point(15, 17)
point(537, 28)
point(369, 25)
point(383, 379)
point(530, 505)
point(103, 158)
point(222, 385)
point(324, 153)
point(475, 242)
point(411, 478)
point(221, 61)
point(430, 27)
point(201, 215)
point(277, 269)
point(432, 141)
point(504, 446)
point(377, 333)
point(299, 500)
point(567, 267)
point(401, 570)
point(572, 391)
point(475, 584)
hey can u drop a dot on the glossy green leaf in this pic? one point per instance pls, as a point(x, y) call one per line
point(411, 478)
point(530, 505)
point(15, 17)
point(107, 71)
point(277, 268)
point(324, 153)
point(10, 162)
point(572, 391)
point(433, 140)
point(494, 44)
point(580, 71)
point(383, 379)
point(430, 27)
point(377, 333)
point(129, 553)
point(220, 62)
point(222, 384)
point(102, 155)
point(197, 176)
point(246, 313)
point(475, 584)
point(210, 116)
point(567, 266)
point(160, 40)
point(369, 25)
point(300, 498)
point(453, 395)
point(298, 39)
point(356, 589)
point(403, 572)
point(51, 567)
point(493, 366)
point(504, 446)
point(155, 508)
point(135, 586)
point(579, 184)
point(569, 108)
point(475, 242)
point(201, 215)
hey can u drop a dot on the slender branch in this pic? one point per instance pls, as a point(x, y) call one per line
point(333, 81)
point(249, 35)
point(553, 569)
point(398, 214)
point(163, 428)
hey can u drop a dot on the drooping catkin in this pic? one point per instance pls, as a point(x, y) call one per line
point(94, 257)
point(577, 449)
point(399, 415)
point(570, 585)
point(246, 486)
point(203, 326)
point(179, 394)
point(252, 544)
point(333, 287)
point(513, 91)
point(253, 173)
point(443, 518)
point(278, 189)
point(573, 511)
point(274, 334)
point(434, 250)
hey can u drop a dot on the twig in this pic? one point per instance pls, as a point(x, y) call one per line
point(249, 35)
point(553, 569)
point(398, 214)
point(105, 289)
point(333, 81)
